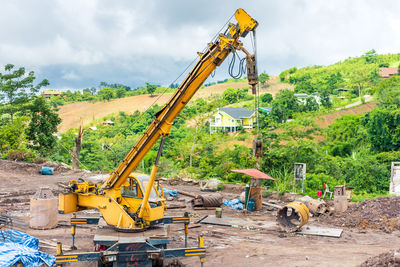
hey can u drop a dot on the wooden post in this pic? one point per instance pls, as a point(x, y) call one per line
point(77, 149)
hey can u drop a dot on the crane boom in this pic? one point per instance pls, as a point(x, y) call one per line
point(125, 200)
point(208, 62)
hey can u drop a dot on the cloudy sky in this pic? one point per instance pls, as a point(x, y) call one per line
point(77, 44)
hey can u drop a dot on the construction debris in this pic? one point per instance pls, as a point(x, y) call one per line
point(321, 231)
point(211, 200)
point(11, 222)
point(43, 209)
point(317, 207)
point(224, 221)
point(272, 205)
point(381, 213)
point(293, 216)
point(214, 200)
point(391, 258)
point(210, 185)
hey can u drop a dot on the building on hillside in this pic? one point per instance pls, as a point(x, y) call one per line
point(342, 92)
point(266, 110)
point(388, 72)
point(232, 118)
point(108, 122)
point(49, 93)
point(302, 97)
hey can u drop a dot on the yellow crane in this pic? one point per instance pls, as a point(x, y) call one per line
point(133, 202)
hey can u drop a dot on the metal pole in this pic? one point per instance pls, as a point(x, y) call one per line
point(145, 201)
point(201, 244)
point(186, 234)
point(73, 232)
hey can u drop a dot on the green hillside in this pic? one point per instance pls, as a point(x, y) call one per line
point(355, 148)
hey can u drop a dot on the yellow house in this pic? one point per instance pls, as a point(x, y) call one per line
point(232, 118)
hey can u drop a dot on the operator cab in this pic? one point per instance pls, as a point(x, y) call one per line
point(135, 187)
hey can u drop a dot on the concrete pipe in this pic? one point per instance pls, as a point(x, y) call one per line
point(293, 216)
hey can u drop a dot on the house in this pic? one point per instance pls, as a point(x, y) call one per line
point(232, 118)
point(266, 110)
point(302, 97)
point(342, 92)
point(388, 72)
point(108, 122)
point(49, 93)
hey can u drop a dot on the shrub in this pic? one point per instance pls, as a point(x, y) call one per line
point(18, 155)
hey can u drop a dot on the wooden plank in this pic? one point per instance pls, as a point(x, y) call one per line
point(272, 205)
point(321, 231)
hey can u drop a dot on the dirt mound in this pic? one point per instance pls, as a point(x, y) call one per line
point(31, 168)
point(382, 213)
point(391, 258)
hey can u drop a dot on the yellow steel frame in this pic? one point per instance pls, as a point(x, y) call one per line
point(107, 197)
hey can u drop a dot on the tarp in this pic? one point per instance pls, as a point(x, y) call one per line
point(234, 204)
point(16, 246)
point(172, 193)
point(254, 173)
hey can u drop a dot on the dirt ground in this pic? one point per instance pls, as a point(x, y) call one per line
point(260, 243)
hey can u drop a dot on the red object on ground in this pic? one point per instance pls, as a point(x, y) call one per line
point(319, 193)
point(254, 173)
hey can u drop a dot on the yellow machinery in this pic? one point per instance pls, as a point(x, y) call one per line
point(130, 202)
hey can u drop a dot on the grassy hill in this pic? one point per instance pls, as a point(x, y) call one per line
point(73, 114)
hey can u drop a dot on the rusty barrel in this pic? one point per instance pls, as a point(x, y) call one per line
point(293, 216)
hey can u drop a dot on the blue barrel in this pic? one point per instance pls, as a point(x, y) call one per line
point(251, 205)
point(47, 170)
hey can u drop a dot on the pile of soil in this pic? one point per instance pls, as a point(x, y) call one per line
point(21, 167)
point(382, 213)
point(391, 258)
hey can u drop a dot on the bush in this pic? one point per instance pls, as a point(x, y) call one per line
point(18, 155)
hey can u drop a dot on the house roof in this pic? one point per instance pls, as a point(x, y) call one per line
point(301, 95)
point(387, 72)
point(238, 113)
point(254, 173)
point(52, 92)
point(265, 109)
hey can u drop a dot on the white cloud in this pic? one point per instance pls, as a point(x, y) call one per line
point(135, 41)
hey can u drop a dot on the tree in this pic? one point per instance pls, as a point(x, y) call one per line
point(12, 135)
point(43, 124)
point(325, 99)
point(151, 88)
point(263, 78)
point(106, 93)
point(388, 92)
point(230, 95)
point(121, 92)
point(383, 129)
point(362, 76)
point(284, 106)
point(311, 104)
point(370, 56)
point(16, 87)
point(266, 98)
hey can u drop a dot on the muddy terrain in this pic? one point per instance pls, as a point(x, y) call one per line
point(370, 229)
